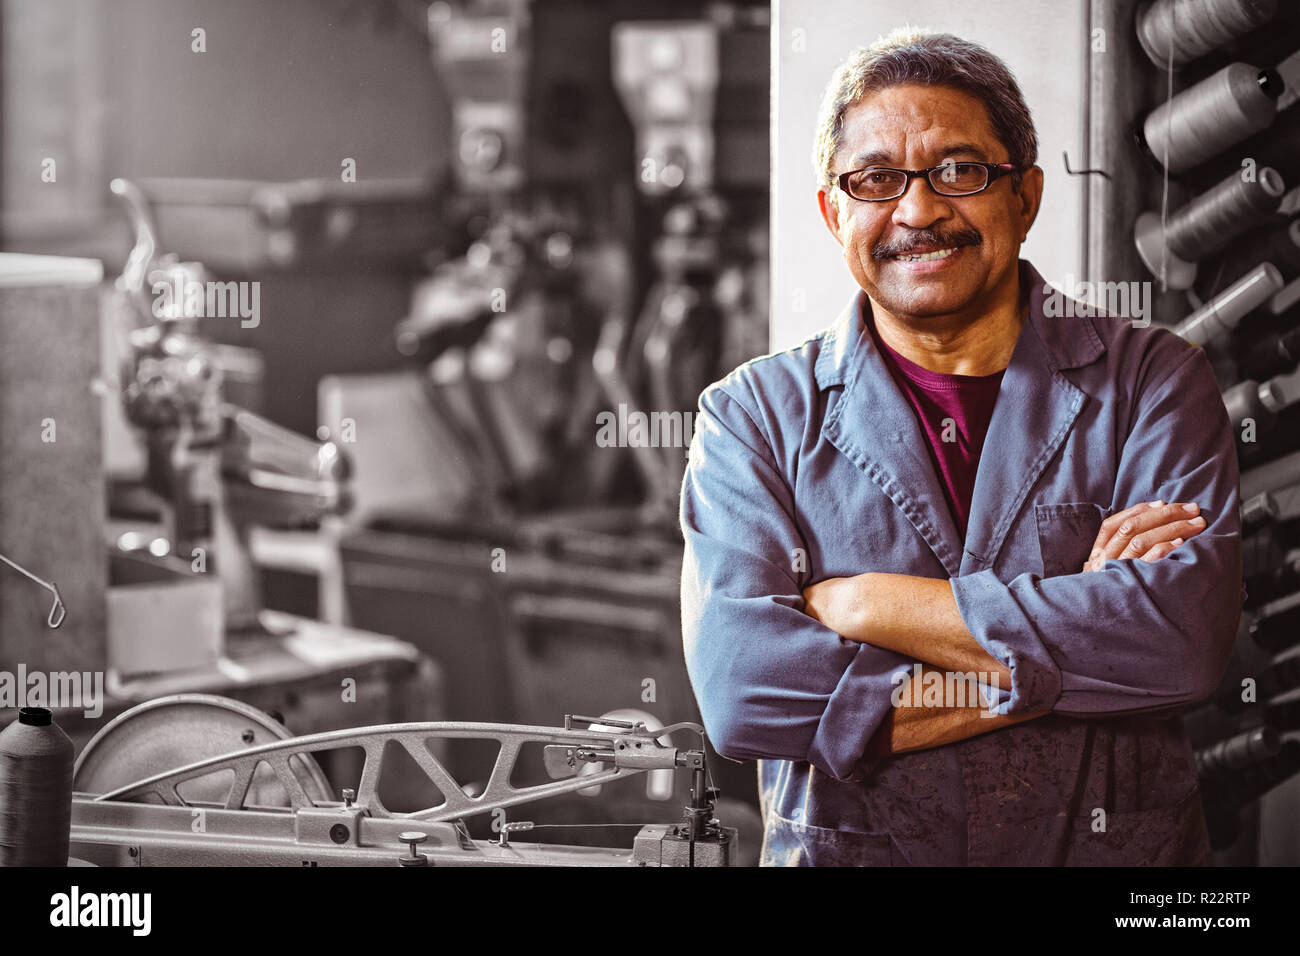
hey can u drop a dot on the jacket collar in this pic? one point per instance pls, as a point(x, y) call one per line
point(874, 426)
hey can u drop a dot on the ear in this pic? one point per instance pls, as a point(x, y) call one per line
point(826, 203)
point(1031, 198)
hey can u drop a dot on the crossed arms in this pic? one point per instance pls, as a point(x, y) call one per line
point(919, 617)
point(1145, 633)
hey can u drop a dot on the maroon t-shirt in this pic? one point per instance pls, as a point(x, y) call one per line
point(954, 412)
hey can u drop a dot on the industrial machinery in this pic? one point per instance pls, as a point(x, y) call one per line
point(198, 780)
point(216, 468)
point(605, 218)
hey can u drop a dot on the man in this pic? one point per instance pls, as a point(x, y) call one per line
point(853, 562)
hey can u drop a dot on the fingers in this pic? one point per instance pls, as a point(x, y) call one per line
point(1112, 524)
point(1158, 551)
point(1142, 542)
point(1130, 526)
point(1108, 530)
point(1140, 521)
point(1146, 530)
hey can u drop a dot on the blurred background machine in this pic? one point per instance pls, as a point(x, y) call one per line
point(474, 262)
point(1199, 194)
point(606, 261)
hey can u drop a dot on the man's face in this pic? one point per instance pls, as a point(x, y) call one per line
point(916, 127)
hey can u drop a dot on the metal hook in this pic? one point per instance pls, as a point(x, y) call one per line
point(1081, 172)
point(57, 610)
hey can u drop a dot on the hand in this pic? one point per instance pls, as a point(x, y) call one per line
point(1147, 531)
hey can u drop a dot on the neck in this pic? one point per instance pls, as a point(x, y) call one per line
point(958, 344)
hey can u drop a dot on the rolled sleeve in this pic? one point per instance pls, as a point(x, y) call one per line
point(772, 683)
point(1136, 637)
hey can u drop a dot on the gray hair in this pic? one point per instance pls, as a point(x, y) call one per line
point(908, 55)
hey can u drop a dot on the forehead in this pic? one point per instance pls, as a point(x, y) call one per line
point(899, 121)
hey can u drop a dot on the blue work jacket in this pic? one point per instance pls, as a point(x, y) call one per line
point(809, 464)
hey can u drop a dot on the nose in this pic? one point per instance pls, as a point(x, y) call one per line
point(920, 206)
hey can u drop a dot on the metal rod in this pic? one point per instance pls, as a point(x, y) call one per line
point(57, 611)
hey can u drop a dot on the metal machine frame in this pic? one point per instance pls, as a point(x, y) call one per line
point(152, 823)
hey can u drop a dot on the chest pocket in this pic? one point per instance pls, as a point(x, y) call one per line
point(1066, 533)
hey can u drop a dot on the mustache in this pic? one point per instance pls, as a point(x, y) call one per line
point(910, 241)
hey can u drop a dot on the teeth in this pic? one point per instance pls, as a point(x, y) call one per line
point(928, 256)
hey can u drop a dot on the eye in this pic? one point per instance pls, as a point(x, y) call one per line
point(965, 174)
point(876, 181)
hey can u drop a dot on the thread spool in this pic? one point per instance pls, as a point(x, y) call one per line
point(1262, 402)
point(1278, 244)
point(1287, 243)
point(1290, 204)
point(1206, 224)
point(1286, 299)
point(1280, 679)
point(1271, 476)
point(1258, 778)
point(1271, 355)
point(35, 791)
point(1184, 30)
point(1277, 628)
point(1281, 391)
point(1276, 582)
point(1228, 697)
point(1277, 681)
point(1242, 402)
point(1205, 119)
point(1239, 752)
point(1225, 795)
point(1258, 512)
point(1225, 311)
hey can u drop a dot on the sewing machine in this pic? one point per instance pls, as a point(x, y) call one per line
point(199, 780)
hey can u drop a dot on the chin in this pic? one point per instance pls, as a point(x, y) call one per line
point(922, 303)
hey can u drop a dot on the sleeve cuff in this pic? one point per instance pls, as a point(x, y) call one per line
point(999, 624)
point(855, 713)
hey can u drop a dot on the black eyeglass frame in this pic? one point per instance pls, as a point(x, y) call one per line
point(995, 171)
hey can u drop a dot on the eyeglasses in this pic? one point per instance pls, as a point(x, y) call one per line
point(879, 183)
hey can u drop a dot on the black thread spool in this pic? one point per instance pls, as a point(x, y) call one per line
point(1272, 354)
point(1260, 511)
point(1185, 30)
point(35, 791)
point(1278, 244)
point(1239, 752)
point(1275, 583)
point(1205, 119)
point(1206, 224)
point(1279, 628)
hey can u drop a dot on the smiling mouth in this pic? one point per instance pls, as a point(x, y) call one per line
point(927, 256)
point(926, 245)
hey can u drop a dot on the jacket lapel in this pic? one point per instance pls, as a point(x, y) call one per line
point(873, 426)
point(1035, 409)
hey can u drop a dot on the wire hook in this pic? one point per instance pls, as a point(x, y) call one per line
point(1081, 172)
point(57, 610)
